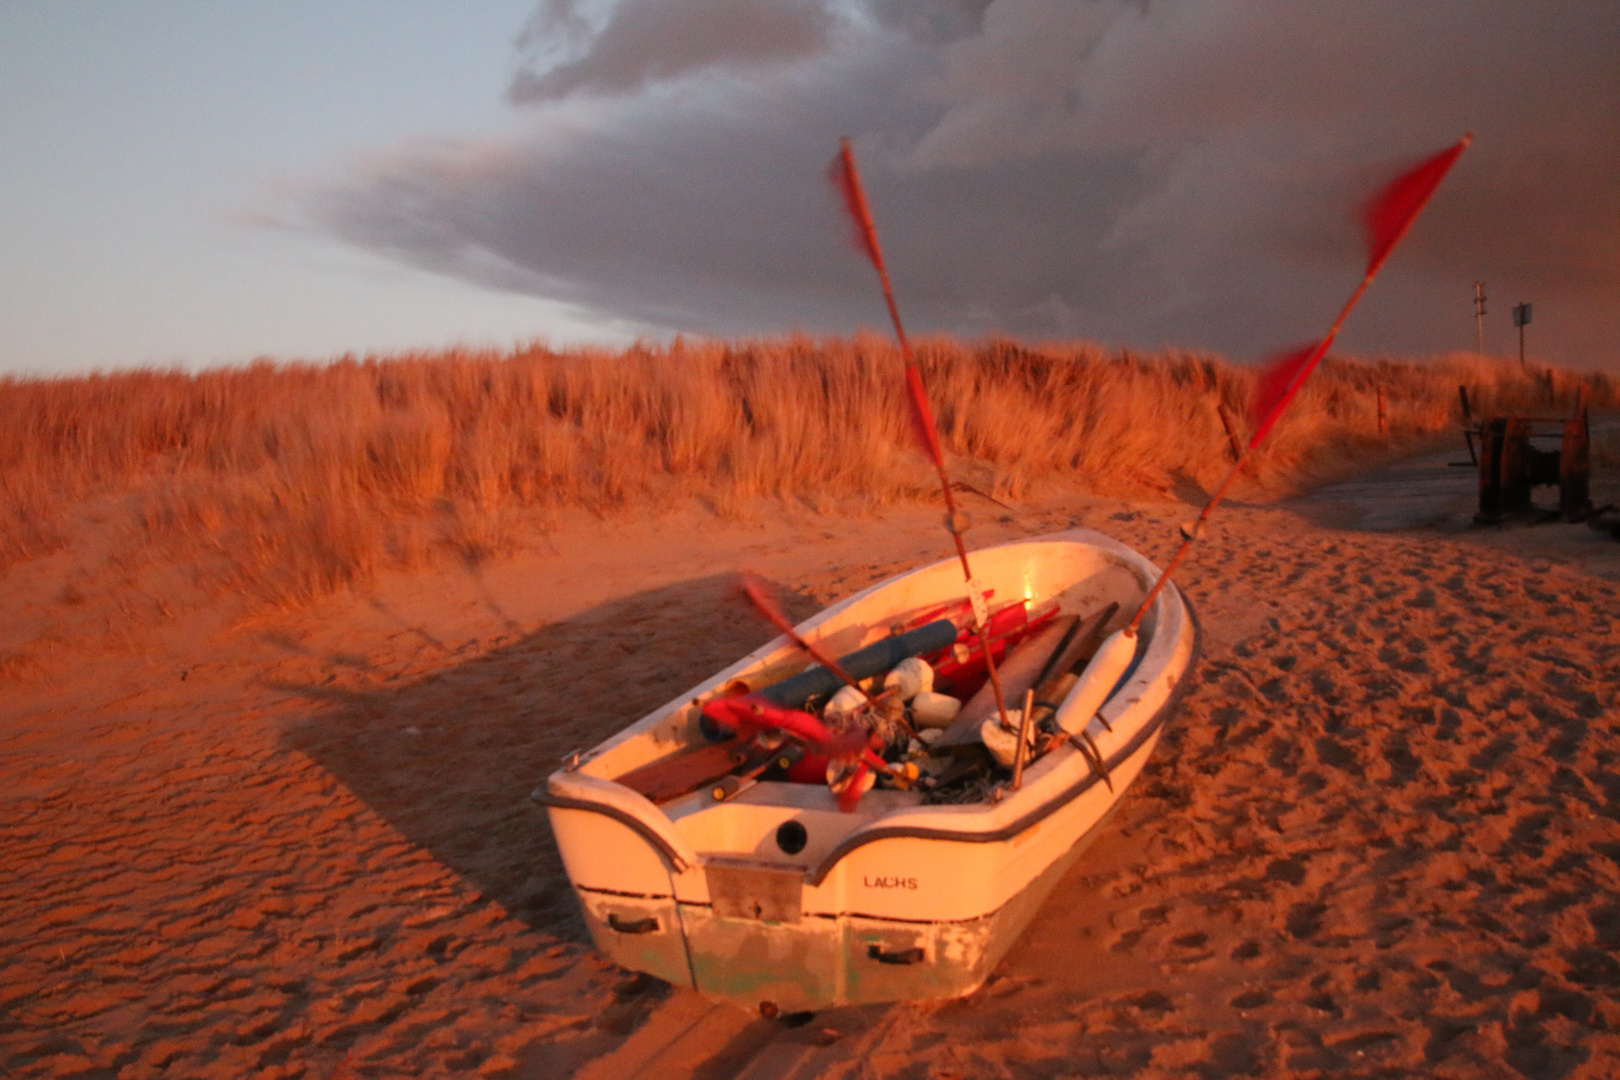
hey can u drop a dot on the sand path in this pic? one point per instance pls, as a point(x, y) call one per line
point(1382, 836)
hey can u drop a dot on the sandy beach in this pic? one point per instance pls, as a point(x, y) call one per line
point(1380, 838)
point(400, 402)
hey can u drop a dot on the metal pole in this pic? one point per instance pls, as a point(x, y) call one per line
point(1479, 314)
point(1521, 319)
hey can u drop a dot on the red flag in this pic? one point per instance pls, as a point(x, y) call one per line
point(844, 176)
point(922, 416)
point(1387, 217)
point(1391, 212)
point(841, 173)
point(754, 589)
point(1285, 373)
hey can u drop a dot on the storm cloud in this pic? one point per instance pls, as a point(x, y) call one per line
point(641, 42)
point(1140, 172)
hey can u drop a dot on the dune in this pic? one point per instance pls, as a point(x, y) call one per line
point(273, 485)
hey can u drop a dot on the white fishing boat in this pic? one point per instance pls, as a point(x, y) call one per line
point(771, 895)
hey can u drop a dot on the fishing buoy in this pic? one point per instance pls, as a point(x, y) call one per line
point(1097, 682)
point(844, 702)
point(910, 677)
point(849, 779)
point(931, 710)
point(1003, 744)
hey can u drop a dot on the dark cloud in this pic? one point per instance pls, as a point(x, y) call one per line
point(1166, 172)
point(929, 20)
point(646, 41)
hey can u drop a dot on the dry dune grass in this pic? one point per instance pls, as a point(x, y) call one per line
point(284, 482)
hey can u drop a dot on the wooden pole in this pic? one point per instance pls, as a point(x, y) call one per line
point(1191, 535)
point(1468, 424)
point(1232, 440)
point(1023, 736)
point(1575, 464)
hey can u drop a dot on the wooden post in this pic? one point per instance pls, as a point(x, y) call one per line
point(1468, 424)
point(1232, 440)
point(1575, 465)
point(1504, 471)
point(1383, 414)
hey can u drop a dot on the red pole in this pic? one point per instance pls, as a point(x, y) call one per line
point(1402, 201)
point(848, 180)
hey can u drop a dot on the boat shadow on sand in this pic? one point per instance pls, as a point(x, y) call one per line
point(450, 758)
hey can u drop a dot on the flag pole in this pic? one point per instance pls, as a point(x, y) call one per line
point(1384, 246)
point(847, 179)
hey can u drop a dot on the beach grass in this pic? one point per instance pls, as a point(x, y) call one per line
point(286, 481)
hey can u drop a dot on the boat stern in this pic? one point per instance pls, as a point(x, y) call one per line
point(622, 867)
point(823, 961)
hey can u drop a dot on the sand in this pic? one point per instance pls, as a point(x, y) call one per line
point(1381, 837)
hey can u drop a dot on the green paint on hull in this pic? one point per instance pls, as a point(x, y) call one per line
point(661, 952)
point(821, 962)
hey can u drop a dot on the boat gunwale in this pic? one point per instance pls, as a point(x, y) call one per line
point(861, 837)
point(816, 875)
point(814, 629)
point(635, 824)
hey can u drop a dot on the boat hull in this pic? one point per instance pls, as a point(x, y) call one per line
point(907, 902)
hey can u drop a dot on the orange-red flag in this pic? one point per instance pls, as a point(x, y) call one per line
point(922, 416)
point(1389, 214)
point(842, 175)
point(1284, 374)
point(847, 179)
point(1387, 217)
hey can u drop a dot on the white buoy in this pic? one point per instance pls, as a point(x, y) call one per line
point(911, 676)
point(844, 702)
point(1003, 744)
point(841, 773)
point(1096, 682)
point(931, 710)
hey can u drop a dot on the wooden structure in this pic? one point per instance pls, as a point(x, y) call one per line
point(1509, 466)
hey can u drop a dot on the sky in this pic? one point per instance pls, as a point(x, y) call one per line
point(203, 183)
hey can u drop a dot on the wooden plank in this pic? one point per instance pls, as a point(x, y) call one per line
point(674, 776)
point(1018, 672)
point(1087, 640)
